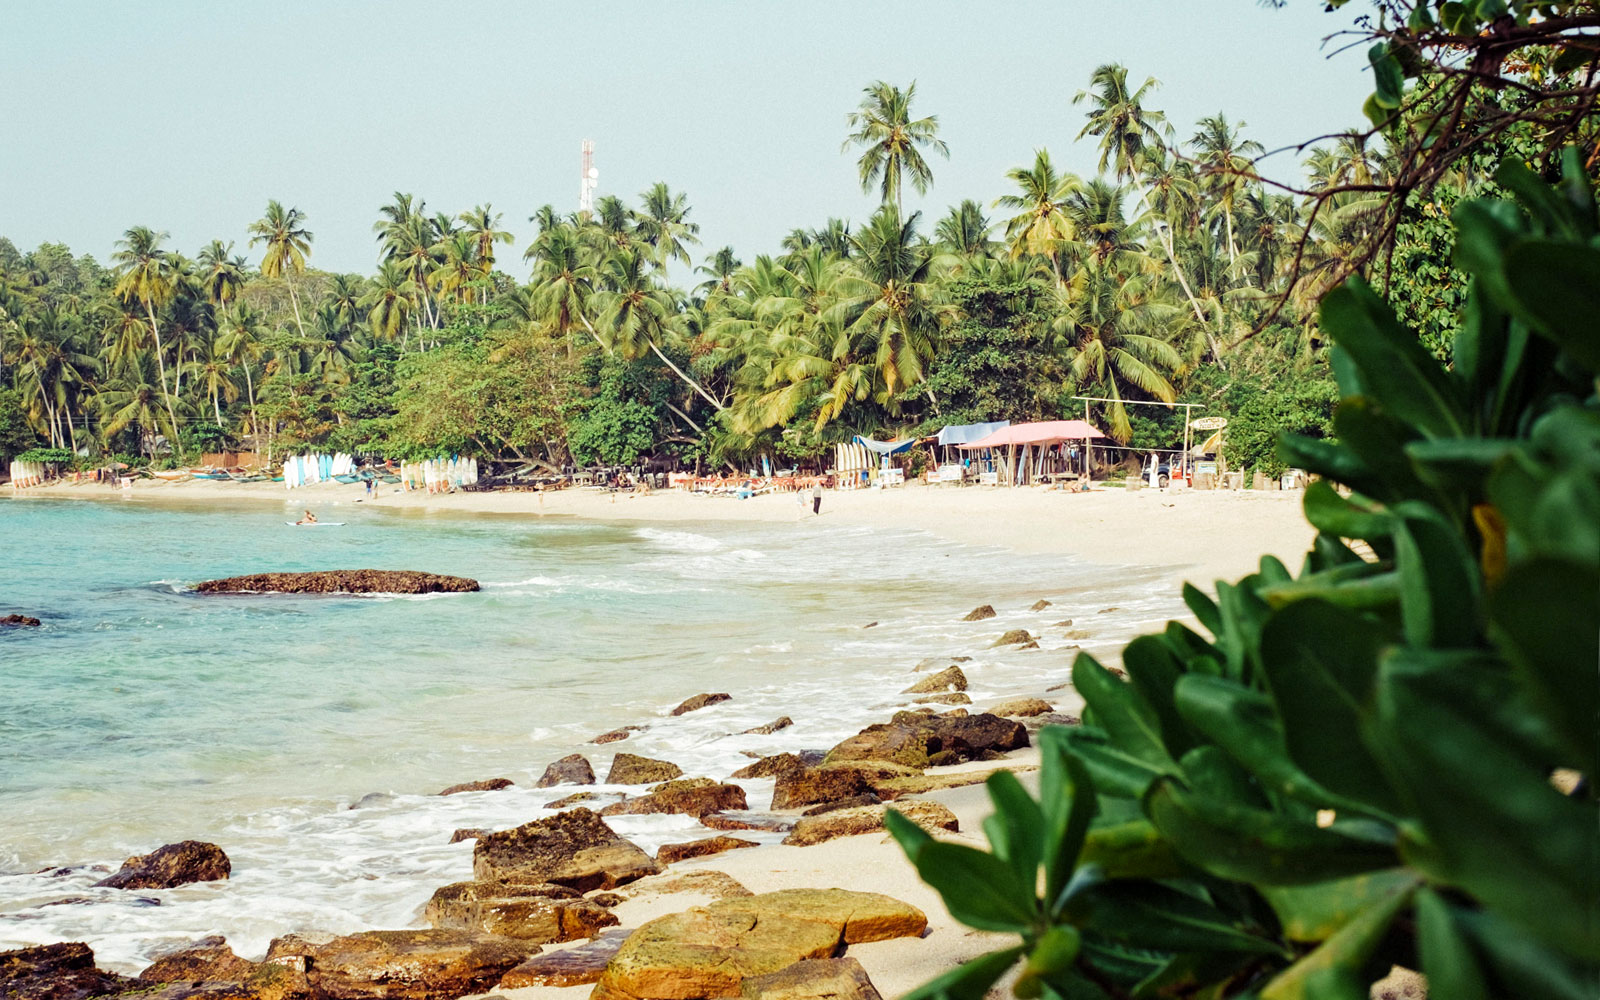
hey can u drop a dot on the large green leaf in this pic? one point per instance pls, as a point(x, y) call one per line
point(1313, 913)
point(1253, 845)
point(1439, 588)
point(1523, 965)
point(1447, 955)
point(978, 889)
point(1395, 369)
point(1130, 850)
point(1051, 955)
point(1153, 669)
point(1152, 916)
point(1341, 957)
point(1204, 608)
point(1209, 770)
point(1494, 826)
point(1122, 711)
point(1067, 804)
point(1330, 512)
point(1557, 663)
point(1320, 662)
point(1016, 829)
point(1113, 771)
point(1244, 724)
point(1557, 286)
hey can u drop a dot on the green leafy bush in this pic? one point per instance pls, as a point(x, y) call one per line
point(49, 456)
point(1387, 757)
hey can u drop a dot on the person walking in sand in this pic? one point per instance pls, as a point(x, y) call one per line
point(816, 497)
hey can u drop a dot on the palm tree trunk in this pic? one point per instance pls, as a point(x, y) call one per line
point(597, 337)
point(691, 382)
point(294, 300)
point(161, 370)
point(216, 407)
point(249, 384)
point(1165, 237)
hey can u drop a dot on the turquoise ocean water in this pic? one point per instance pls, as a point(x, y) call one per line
point(306, 735)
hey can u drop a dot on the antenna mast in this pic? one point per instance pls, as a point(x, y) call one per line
point(587, 181)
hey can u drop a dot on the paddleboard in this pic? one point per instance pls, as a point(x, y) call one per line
point(315, 524)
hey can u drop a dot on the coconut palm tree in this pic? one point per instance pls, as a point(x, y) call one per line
point(966, 230)
point(636, 315)
point(719, 269)
point(891, 294)
point(663, 222)
point(1115, 324)
point(1226, 167)
point(458, 267)
point(389, 301)
point(288, 243)
point(1102, 231)
point(563, 283)
point(239, 340)
point(129, 398)
point(212, 370)
point(1041, 225)
point(892, 142)
point(145, 274)
point(483, 225)
point(222, 272)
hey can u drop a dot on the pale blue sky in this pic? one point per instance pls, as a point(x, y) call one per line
point(187, 116)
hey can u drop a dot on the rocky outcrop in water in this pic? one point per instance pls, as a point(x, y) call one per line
point(19, 621)
point(345, 581)
point(948, 679)
point(768, 767)
point(700, 701)
point(573, 769)
point(63, 971)
point(574, 848)
point(631, 769)
point(833, 782)
point(979, 613)
point(486, 785)
point(684, 797)
point(172, 865)
point(402, 965)
point(209, 958)
point(781, 722)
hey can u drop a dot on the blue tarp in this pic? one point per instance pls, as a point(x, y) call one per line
point(885, 447)
point(967, 433)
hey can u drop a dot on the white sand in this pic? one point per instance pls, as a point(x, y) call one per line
point(1200, 535)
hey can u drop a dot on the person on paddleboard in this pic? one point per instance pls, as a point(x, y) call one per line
point(310, 518)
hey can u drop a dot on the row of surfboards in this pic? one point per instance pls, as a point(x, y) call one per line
point(304, 470)
point(439, 473)
point(27, 473)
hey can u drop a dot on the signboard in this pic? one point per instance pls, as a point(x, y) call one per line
point(1209, 423)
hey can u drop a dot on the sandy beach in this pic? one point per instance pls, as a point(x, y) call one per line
point(1200, 536)
point(1194, 536)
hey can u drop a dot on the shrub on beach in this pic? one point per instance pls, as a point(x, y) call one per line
point(1386, 758)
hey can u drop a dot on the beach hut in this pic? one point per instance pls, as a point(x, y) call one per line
point(952, 468)
point(883, 449)
point(1034, 441)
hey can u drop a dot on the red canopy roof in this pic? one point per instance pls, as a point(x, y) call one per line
point(1043, 432)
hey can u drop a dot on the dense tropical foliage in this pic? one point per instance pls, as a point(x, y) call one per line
point(1175, 274)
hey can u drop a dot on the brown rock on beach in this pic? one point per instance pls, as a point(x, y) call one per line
point(542, 913)
point(1013, 637)
point(747, 821)
point(631, 769)
point(700, 701)
point(1022, 707)
point(954, 698)
point(979, 613)
point(687, 797)
point(711, 951)
point(673, 853)
point(616, 734)
point(811, 830)
point(574, 966)
point(813, 979)
point(768, 767)
point(64, 971)
point(573, 769)
point(833, 782)
point(209, 958)
point(403, 965)
point(949, 679)
point(1039, 605)
point(172, 865)
point(573, 848)
point(349, 581)
point(486, 785)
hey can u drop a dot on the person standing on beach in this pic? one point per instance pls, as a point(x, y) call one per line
point(816, 497)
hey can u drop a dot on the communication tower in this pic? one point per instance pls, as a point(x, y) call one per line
point(590, 178)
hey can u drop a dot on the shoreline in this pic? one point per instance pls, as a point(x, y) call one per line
point(1194, 536)
point(1181, 535)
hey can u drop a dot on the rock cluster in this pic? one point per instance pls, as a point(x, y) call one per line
point(19, 621)
point(915, 740)
point(538, 912)
point(346, 581)
point(171, 865)
point(686, 797)
point(401, 965)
